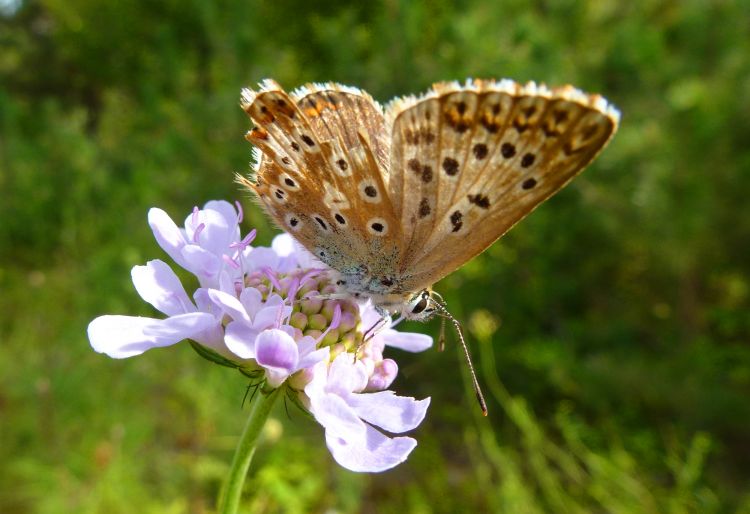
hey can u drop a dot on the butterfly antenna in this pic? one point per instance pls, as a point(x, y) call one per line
point(475, 382)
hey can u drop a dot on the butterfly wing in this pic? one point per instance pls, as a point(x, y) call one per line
point(469, 162)
point(322, 172)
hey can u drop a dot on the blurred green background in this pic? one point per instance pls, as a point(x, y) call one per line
point(611, 327)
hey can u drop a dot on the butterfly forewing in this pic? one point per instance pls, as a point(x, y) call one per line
point(502, 149)
point(339, 114)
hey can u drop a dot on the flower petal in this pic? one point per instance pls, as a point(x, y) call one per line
point(252, 300)
point(226, 209)
point(158, 285)
point(285, 248)
point(277, 352)
point(203, 264)
point(392, 413)
point(240, 339)
point(230, 282)
point(377, 452)
point(126, 336)
point(339, 420)
point(370, 317)
point(230, 305)
point(213, 338)
point(313, 358)
point(306, 260)
point(217, 232)
point(283, 245)
point(261, 258)
point(336, 320)
point(345, 375)
point(308, 355)
point(408, 341)
point(271, 315)
point(167, 234)
point(204, 303)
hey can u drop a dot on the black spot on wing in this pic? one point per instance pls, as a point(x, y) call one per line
point(480, 200)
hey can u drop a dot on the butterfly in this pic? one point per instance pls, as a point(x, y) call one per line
point(394, 199)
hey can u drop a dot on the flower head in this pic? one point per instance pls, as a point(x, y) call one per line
point(271, 313)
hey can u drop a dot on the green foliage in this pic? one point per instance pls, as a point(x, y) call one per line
point(611, 327)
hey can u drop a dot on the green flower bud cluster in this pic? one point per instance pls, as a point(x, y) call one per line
point(311, 314)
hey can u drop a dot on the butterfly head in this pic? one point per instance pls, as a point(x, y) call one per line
point(421, 306)
point(426, 304)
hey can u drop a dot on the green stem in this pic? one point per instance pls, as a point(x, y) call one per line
point(260, 407)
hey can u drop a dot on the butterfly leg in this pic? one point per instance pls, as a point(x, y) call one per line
point(375, 328)
point(328, 296)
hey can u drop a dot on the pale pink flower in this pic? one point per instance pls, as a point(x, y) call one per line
point(268, 311)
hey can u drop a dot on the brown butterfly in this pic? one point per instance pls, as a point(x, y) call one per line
point(396, 198)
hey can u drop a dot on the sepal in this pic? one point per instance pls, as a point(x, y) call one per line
point(210, 355)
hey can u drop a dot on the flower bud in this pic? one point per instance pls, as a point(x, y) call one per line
point(329, 306)
point(384, 374)
point(348, 321)
point(329, 289)
point(336, 349)
point(315, 334)
point(311, 305)
point(310, 285)
point(252, 280)
point(298, 320)
point(284, 282)
point(331, 337)
point(348, 340)
point(299, 380)
point(317, 322)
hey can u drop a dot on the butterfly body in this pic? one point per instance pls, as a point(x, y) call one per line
point(395, 199)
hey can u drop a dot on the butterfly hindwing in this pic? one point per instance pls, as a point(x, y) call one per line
point(414, 174)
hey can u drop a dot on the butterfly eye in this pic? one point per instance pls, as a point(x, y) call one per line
point(420, 306)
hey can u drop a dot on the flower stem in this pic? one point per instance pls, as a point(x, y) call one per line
point(260, 407)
